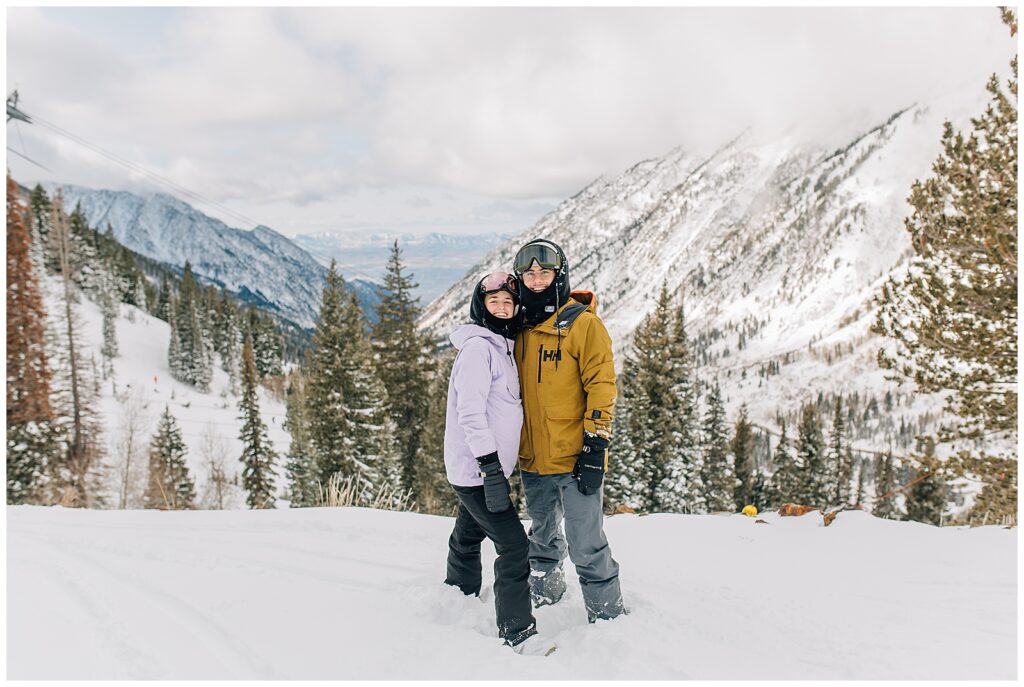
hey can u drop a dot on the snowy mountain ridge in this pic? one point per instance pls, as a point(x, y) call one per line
point(260, 265)
point(776, 249)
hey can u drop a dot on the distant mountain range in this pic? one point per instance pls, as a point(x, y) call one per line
point(260, 265)
point(435, 260)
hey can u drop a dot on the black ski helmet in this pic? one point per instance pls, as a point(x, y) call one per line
point(548, 255)
point(478, 314)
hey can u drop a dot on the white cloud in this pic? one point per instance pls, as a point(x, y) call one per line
point(304, 115)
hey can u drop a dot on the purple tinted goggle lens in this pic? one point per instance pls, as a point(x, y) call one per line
point(499, 281)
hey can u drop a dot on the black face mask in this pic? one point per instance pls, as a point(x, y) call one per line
point(538, 307)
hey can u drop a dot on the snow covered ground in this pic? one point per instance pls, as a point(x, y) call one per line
point(358, 594)
point(209, 422)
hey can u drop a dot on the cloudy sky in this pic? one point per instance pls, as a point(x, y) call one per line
point(457, 120)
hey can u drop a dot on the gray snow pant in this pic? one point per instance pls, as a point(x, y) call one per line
point(549, 500)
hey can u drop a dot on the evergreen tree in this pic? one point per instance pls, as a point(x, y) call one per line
point(83, 254)
point(30, 430)
point(170, 486)
point(300, 464)
point(816, 489)
point(327, 413)
point(680, 488)
point(109, 306)
point(952, 320)
point(165, 305)
point(349, 428)
point(258, 454)
point(402, 363)
point(622, 483)
point(742, 449)
point(644, 432)
point(76, 475)
point(718, 474)
point(760, 490)
point(926, 499)
point(193, 362)
point(858, 498)
point(785, 485)
point(42, 251)
point(373, 449)
point(885, 499)
point(838, 459)
point(266, 342)
point(434, 494)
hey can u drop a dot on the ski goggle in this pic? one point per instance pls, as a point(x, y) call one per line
point(541, 253)
point(499, 281)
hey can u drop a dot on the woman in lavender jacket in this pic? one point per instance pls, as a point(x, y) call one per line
point(481, 447)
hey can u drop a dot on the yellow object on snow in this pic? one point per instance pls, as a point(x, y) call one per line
point(749, 510)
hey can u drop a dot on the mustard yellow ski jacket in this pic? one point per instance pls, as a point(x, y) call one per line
point(567, 378)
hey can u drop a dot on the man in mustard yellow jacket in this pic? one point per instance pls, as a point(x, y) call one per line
point(567, 376)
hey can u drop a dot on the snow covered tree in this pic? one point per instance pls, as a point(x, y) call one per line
point(165, 302)
point(373, 448)
point(717, 474)
point(815, 487)
point(30, 429)
point(858, 495)
point(434, 494)
point(403, 363)
point(838, 459)
point(885, 505)
point(644, 432)
point(266, 343)
point(926, 498)
point(129, 446)
point(952, 319)
point(349, 428)
point(680, 488)
point(76, 475)
point(221, 487)
point(742, 449)
point(109, 306)
point(300, 463)
point(258, 454)
point(328, 415)
point(170, 486)
point(786, 479)
point(193, 349)
point(42, 250)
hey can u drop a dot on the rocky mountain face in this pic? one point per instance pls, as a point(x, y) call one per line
point(774, 247)
point(260, 265)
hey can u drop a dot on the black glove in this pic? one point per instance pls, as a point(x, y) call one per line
point(589, 469)
point(496, 488)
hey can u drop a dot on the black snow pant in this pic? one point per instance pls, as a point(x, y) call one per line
point(473, 524)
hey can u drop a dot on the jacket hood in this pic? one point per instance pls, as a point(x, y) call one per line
point(464, 332)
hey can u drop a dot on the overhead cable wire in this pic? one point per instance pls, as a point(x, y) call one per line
point(26, 157)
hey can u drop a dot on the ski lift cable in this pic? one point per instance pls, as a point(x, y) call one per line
point(167, 183)
point(26, 157)
point(159, 179)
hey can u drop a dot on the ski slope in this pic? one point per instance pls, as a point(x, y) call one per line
point(357, 594)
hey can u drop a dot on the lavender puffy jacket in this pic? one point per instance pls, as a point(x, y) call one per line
point(485, 412)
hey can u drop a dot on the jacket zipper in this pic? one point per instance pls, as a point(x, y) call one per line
point(540, 360)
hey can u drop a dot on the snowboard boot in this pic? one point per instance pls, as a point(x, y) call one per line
point(546, 589)
point(534, 645)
